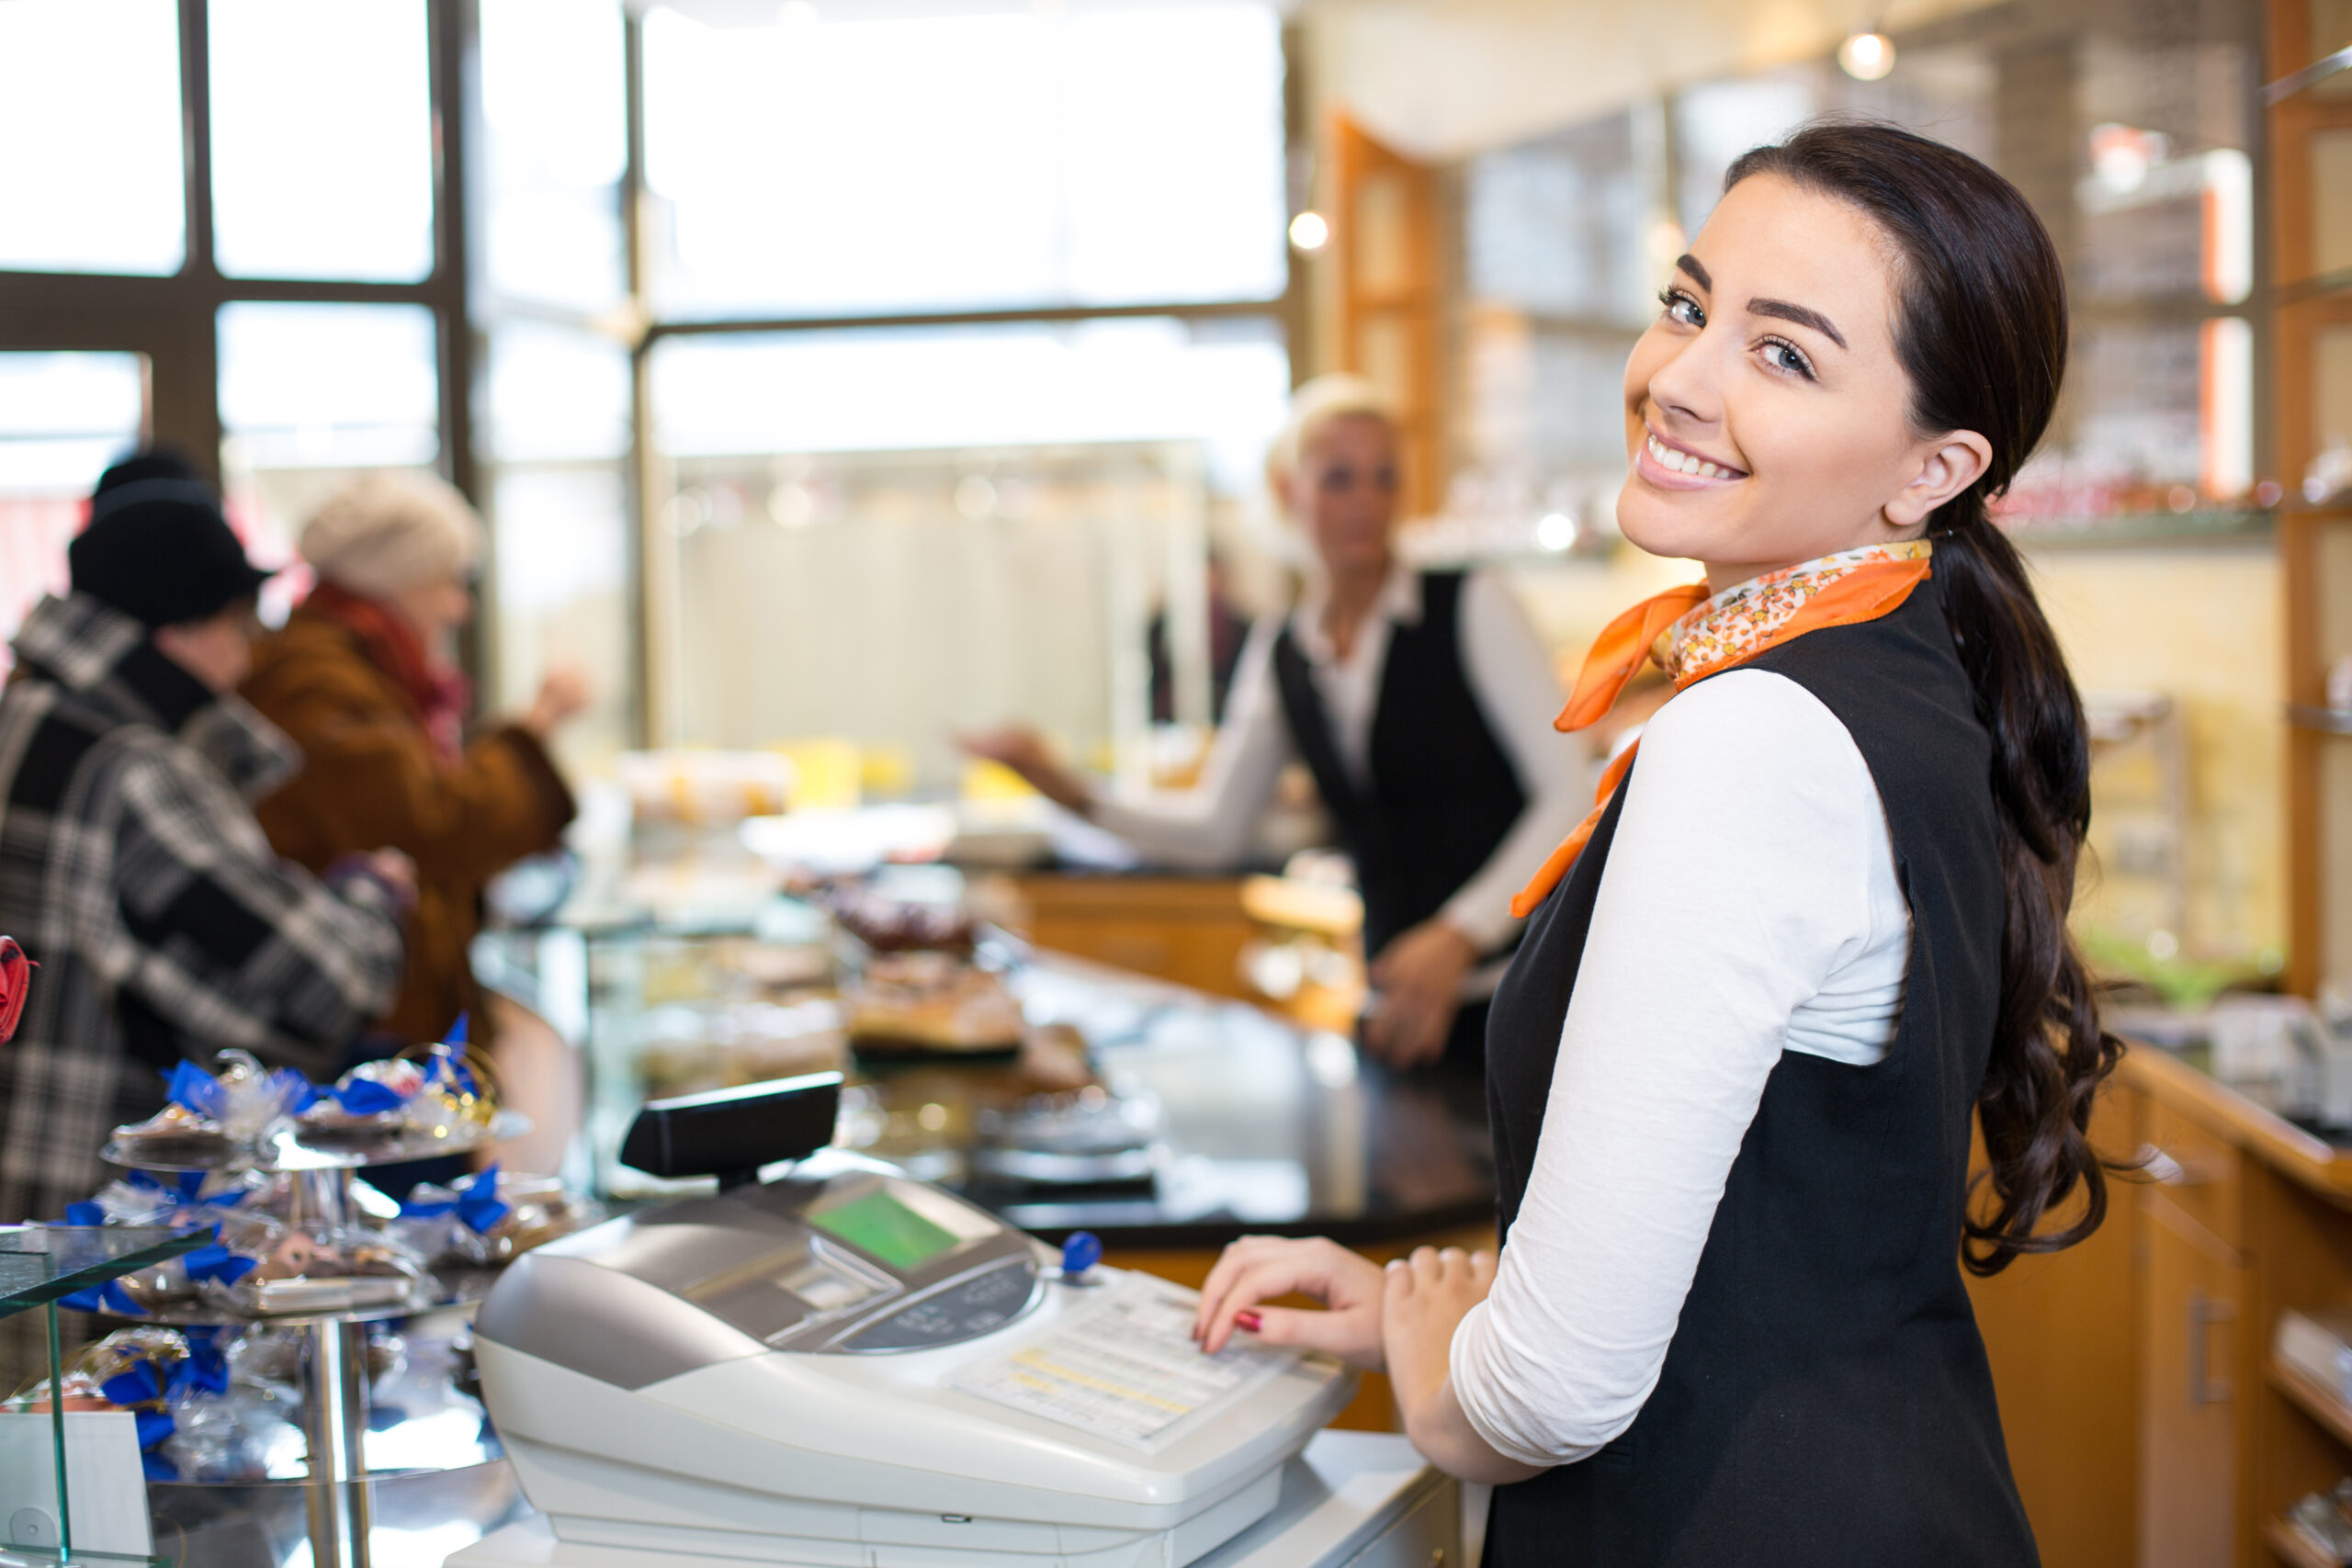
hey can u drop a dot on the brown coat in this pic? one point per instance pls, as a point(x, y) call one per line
point(372, 778)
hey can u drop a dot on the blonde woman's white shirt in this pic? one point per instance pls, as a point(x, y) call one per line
point(1750, 907)
point(1509, 675)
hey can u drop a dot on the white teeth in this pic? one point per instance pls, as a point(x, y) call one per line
point(1676, 462)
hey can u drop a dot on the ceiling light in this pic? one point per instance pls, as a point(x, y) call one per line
point(1308, 232)
point(1866, 56)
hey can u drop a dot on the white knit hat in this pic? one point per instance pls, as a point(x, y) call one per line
point(392, 529)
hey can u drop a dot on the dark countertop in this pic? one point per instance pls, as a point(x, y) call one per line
point(1264, 1127)
point(1270, 1129)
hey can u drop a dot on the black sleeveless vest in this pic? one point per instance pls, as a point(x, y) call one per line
point(1825, 1399)
point(1444, 790)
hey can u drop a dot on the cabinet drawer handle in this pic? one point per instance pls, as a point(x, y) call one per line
point(2204, 1312)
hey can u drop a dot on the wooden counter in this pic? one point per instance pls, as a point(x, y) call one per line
point(1190, 929)
point(2145, 1419)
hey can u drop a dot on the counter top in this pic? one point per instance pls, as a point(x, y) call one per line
point(1263, 1127)
point(1271, 1128)
point(2179, 1078)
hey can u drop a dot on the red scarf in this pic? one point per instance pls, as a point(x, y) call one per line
point(1692, 636)
point(437, 697)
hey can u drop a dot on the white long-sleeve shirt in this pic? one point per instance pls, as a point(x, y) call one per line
point(1750, 907)
point(1212, 824)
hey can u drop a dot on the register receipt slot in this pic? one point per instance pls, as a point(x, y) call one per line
point(844, 1366)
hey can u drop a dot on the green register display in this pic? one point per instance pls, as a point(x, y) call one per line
point(880, 1225)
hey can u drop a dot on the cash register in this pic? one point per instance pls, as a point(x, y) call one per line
point(842, 1366)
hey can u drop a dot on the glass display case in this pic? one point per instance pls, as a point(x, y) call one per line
point(39, 1265)
point(1152, 1114)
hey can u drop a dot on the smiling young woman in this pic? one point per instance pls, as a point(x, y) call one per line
point(1816, 923)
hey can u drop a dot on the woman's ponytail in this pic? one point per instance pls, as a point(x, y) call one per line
point(1982, 334)
point(2050, 1054)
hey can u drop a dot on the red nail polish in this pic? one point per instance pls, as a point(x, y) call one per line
point(1248, 1320)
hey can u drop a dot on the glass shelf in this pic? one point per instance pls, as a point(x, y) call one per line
point(39, 1263)
point(286, 1149)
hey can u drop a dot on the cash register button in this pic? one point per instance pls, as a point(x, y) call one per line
point(1082, 1251)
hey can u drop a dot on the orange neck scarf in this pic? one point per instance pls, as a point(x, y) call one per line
point(1691, 636)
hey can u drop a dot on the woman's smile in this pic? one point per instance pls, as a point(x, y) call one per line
point(1670, 465)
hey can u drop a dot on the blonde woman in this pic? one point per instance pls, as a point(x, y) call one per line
point(1420, 703)
point(360, 676)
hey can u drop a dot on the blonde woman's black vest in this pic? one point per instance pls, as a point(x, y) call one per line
point(1442, 791)
point(1825, 1400)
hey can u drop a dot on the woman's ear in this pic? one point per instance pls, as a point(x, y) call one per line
point(1948, 466)
point(1283, 482)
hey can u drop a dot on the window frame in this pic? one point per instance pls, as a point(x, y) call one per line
point(173, 320)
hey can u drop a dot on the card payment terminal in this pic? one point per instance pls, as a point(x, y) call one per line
point(844, 1366)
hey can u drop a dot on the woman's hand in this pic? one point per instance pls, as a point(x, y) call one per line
point(1023, 750)
point(1259, 1267)
point(1418, 976)
point(1424, 1299)
point(562, 694)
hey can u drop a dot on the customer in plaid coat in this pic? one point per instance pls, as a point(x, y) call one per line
point(131, 867)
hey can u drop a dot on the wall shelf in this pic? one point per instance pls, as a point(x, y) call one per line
point(2290, 1545)
point(2314, 1399)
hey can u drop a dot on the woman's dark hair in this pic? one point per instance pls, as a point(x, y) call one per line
point(1981, 330)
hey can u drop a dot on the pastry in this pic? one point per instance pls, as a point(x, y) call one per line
point(921, 1003)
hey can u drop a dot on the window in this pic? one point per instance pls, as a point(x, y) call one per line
point(90, 115)
point(950, 163)
point(556, 430)
point(554, 118)
point(63, 417)
point(1103, 187)
point(887, 536)
point(311, 394)
point(880, 533)
point(321, 139)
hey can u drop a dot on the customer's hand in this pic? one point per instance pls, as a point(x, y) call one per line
point(389, 868)
point(1260, 1268)
point(397, 871)
point(1418, 977)
point(563, 693)
point(1023, 750)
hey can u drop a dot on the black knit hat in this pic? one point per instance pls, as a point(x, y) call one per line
point(157, 460)
point(159, 549)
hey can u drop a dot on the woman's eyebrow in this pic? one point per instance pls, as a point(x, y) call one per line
point(1800, 314)
point(1687, 263)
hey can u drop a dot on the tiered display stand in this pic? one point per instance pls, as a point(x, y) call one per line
point(347, 1442)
